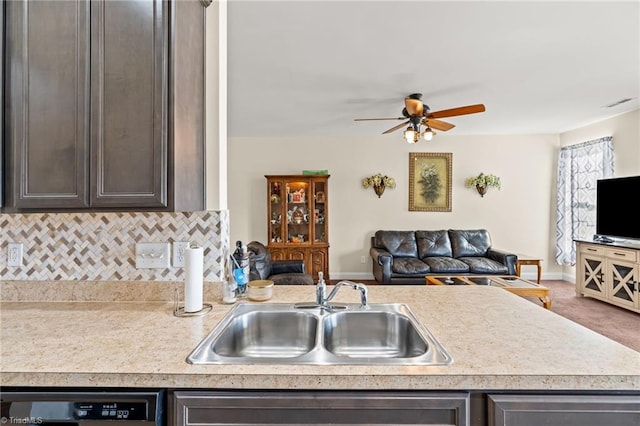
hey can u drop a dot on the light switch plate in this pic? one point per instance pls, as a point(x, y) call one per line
point(152, 255)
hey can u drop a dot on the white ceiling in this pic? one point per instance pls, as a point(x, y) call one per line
point(308, 68)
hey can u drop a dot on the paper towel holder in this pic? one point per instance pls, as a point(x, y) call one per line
point(178, 311)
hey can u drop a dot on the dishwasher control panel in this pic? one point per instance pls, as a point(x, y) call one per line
point(110, 411)
point(78, 407)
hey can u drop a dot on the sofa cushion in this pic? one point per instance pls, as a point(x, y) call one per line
point(483, 265)
point(445, 265)
point(398, 243)
point(409, 265)
point(469, 243)
point(433, 244)
point(292, 278)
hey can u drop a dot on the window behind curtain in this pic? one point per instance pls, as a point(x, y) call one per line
point(579, 167)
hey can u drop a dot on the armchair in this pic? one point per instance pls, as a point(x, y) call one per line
point(262, 267)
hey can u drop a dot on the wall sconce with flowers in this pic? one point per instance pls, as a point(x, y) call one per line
point(379, 183)
point(482, 182)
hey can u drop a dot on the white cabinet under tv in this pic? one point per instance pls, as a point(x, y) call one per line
point(609, 272)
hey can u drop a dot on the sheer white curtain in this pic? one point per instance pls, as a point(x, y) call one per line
point(579, 167)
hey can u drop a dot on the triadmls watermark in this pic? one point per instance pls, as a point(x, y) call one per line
point(21, 420)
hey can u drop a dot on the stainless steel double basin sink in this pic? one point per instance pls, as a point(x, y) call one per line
point(380, 334)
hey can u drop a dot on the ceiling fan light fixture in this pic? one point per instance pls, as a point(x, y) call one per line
point(417, 114)
point(410, 135)
point(428, 134)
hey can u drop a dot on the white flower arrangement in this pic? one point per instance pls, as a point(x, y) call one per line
point(379, 179)
point(483, 181)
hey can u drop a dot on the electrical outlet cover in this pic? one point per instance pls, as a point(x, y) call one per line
point(178, 253)
point(14, 255)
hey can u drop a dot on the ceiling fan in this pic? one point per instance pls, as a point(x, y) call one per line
point(417, 114)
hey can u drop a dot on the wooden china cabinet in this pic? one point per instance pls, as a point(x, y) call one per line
point(298, 220)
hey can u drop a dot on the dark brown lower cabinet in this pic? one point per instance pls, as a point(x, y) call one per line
point(474, 408)
point(189, 408)
point(563, 410)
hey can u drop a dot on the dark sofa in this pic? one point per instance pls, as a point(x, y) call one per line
point(262, 267)
point(406, 257)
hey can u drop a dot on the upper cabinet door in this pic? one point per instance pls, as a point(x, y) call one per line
point(129, 103)
point(47, 117)
point(1, 103)
point(87, 116)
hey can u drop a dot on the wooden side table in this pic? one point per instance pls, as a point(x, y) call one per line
point(523, 259)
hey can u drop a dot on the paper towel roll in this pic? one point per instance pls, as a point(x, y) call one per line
point(193, 264)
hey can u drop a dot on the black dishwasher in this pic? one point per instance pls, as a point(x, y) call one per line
point(129, 407)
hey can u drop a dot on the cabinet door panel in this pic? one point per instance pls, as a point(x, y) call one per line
point(129, 103)
point(593, 276)
point(2, 38)
point(319, 262)
point(278, 254)
point(48, 97)
point(318, 408)
point(566, 410)
point(622, 281)
point(296, 253)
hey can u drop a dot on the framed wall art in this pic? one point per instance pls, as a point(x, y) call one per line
point(430, 181)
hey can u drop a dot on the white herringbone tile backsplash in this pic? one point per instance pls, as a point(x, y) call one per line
point(101, 246)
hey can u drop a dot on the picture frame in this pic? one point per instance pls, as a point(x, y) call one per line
point(430, 179)
point(320, 197)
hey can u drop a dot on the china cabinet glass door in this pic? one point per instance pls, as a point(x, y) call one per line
point(319, 212)
point(276, 225)
point(297, 211)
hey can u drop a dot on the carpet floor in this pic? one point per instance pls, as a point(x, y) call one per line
point(616, 323)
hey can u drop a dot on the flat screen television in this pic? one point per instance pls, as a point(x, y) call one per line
point(617, 211)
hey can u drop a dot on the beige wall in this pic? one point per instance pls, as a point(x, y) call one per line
point(625, 129)
point(518, 216)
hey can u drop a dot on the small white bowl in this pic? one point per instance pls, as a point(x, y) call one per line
point(260, 290)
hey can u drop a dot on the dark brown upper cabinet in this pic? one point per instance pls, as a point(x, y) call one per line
point(104, 105)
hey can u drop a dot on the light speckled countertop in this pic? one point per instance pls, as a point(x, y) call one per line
point(130, 338)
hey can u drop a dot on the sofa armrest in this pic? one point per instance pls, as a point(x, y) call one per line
point(382, 261)
point(507, 259)
point(287, 266)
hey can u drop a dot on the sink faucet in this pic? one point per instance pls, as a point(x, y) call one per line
point(321, 291)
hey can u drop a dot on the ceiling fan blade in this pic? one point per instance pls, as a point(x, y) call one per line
point(394, 128)
point(414, 106)
point(438, 124)
point(469, 109)
point(369, 119)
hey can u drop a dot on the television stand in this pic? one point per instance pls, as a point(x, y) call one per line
point(609, 272)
